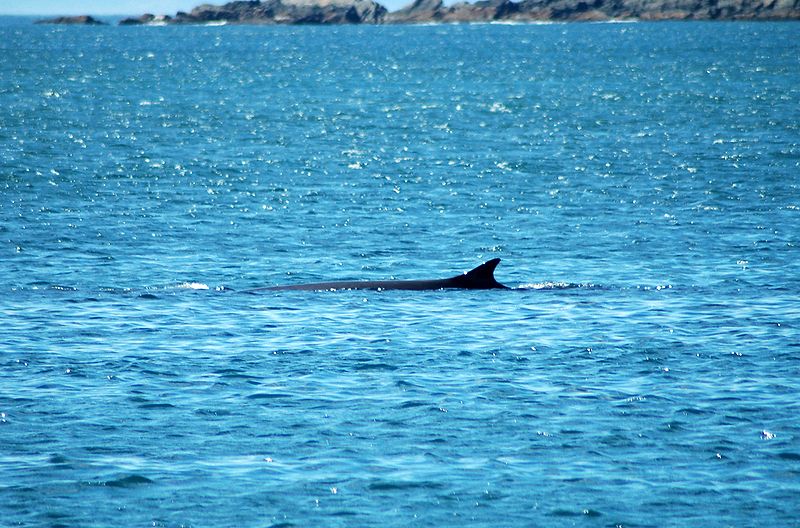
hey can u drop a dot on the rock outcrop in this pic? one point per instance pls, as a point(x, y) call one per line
point(592, 10)
point(147, 20)
point(286, 12)
point(427, 11)
point(418, 11)
point(657, 9)
point(82, 20)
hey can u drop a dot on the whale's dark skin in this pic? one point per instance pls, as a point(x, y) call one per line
point(480, 278)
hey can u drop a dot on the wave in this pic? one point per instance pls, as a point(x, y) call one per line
point(554, 286)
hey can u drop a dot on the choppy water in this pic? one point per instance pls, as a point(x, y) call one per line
point(641, 181)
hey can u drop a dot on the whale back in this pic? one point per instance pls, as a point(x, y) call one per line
point(480, 278)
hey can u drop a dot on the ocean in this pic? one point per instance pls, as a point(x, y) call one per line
point(640, 181)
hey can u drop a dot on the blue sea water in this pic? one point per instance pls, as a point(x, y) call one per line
point(641, 183)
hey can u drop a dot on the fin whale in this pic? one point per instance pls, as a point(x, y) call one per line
point(480, 278)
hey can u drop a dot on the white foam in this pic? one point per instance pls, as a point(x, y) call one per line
point(194, 286)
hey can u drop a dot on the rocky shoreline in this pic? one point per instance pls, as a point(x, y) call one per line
point(435, 11)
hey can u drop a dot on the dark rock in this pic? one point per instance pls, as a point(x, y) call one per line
point(418, 11)
point(482, 11)
point(146, 20)
point(82, 20)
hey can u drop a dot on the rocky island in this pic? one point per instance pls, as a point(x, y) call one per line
point(276, 12)
point(83, 20)
point(433, 11)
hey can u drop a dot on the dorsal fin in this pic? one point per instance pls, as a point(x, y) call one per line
point(480, 278)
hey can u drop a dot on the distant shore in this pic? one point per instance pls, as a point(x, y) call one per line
point(272, 12)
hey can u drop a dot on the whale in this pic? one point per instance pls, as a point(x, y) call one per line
point(480, 278)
